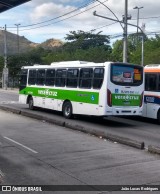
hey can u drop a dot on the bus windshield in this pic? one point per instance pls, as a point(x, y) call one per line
point(126, 75)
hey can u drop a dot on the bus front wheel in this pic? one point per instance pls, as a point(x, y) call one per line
point(31, 103)
point(67, 110)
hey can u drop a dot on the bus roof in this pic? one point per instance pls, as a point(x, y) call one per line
point(65, 64)
point(152, 68)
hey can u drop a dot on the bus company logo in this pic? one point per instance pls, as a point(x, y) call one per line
point(47, 92)
point(126, 97)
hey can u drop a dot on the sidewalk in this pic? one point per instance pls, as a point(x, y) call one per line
point(15, 90)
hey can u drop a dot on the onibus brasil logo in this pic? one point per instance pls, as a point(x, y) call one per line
point(47, 92)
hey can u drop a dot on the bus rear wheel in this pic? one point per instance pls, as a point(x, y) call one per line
point(67, 110)
point(31, 103)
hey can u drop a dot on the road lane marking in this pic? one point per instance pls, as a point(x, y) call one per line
point(21, 145)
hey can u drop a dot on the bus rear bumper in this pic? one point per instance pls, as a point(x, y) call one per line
point(124, 111)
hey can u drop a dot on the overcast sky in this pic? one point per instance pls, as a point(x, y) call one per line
point(44, 19)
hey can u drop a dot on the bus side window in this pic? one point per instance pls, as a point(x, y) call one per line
point(23, 77)
point(32, 77)
point(86, 75)
point(98, 78)
point(40, 77)
point(60, 77)
point(151, 82)
point(72, 78)
point(146, 82)
point(50, 77)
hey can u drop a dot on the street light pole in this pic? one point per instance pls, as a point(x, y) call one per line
point(125, 32)
point(5, 69)
point(18, 37)
point(138, 8)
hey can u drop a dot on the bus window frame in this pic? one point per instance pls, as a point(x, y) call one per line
point(81, 78)
point(32, 77)
point(157, 74)
point(76, 78)
point(48, 79)
point(126, 83)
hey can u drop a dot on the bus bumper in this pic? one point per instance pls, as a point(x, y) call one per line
point(124, 111)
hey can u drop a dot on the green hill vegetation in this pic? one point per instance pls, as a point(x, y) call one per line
point(13, 42)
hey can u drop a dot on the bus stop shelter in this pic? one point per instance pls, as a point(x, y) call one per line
point(9, 4)
point(4, 6)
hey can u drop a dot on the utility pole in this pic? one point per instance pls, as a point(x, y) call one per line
point(138, 8)
point(5, 69)
point(125, 32)
point(143, 29)
point(18, 37)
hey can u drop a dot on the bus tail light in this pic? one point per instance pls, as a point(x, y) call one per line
point(109, 98)
point(141, 100)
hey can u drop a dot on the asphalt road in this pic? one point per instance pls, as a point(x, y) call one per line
point(8, 95)
point(35, 152)
point(136, 128)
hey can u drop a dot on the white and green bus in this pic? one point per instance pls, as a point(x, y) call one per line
point(79, 87)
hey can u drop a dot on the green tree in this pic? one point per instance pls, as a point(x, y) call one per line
point(85, 40)
point(134, 50)
point(117, 51)
point(82, 46)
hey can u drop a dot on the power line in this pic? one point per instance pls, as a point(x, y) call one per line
point(68, 13)
point(103, 26)
point(83, 6)
point(154, 17)
point(62, 19)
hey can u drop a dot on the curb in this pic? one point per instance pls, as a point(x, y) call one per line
point(53, 121)
point(75, 127)
point(10, 109)
point(92, 131)
point(32, 115)
point(154, 149)
point(102, 134)
point(126, 141)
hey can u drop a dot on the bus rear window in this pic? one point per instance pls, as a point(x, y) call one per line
point(125, 74)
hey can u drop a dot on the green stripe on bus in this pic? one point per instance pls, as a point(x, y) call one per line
point(76, 96)
point(126, 99)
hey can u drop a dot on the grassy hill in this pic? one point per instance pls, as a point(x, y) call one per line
point(24, 44)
